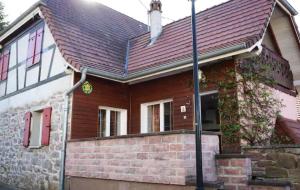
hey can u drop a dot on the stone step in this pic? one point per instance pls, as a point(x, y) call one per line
point(269, 185)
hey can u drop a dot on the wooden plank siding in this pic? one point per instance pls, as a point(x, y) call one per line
point(178, 87)
point(85, 107)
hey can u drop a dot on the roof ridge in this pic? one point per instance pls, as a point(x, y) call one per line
point(186, 17)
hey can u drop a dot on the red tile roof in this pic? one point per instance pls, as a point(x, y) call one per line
point(95, 36)
point(225, 25)
point(91, 34)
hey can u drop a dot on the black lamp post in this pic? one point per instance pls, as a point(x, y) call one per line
point(198, 120)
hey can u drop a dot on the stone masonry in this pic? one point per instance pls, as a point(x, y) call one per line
point(26, 168)
point(164, 159)
point(234, 171)
point(280, 163)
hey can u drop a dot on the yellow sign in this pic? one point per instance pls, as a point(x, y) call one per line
point(87, 88)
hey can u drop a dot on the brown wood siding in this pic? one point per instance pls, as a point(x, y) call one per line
point(86, 107)
point(178, 87)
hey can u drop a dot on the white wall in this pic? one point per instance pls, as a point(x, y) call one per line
point(289, 109)
point(37, 94)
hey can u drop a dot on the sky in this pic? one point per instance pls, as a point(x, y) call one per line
point(172, 9)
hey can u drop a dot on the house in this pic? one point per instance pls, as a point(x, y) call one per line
point(84, 83)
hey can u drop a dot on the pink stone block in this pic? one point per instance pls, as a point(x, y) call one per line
point(176, 147)
point(142, 156)
point(155, 140)
point(169, 139)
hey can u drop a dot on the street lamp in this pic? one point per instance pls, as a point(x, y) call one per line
point(198, 120)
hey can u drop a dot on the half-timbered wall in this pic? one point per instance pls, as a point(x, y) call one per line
point(23, 74)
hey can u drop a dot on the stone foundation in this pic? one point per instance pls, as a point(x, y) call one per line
point(280, 163)
point(27, 168)
point(76, 183)
point(234, 171)
point(167, 158)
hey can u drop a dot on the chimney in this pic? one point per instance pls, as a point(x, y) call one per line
point(155, 19)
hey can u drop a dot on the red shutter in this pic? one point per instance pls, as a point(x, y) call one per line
point(31, 48)
point(46, 126)
point(38, 46)
point(26, 135)
point(1, 66)
point(5, 64)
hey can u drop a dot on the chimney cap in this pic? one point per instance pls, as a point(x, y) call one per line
point(155, 5)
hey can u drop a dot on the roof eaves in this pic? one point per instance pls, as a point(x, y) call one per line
point(28, 11)
point(290, 8)
point(178, 64)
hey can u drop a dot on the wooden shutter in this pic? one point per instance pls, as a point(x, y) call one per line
point(5, 63)
point(31, 48)
point(38, 45)
point(26, 135)
point(46, 126)
point(1, 66)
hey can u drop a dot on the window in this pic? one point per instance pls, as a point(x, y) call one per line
point(35, 47)
point(37, 128)
point(209, 111)
point(112, 122)
point(157, 116)
point(4, 62)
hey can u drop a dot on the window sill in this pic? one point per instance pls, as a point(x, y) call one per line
point(145, 135)
point(35, 147)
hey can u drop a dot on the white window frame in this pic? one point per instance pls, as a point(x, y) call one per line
point(144, 115)
point(209, 92)
point(123, 120)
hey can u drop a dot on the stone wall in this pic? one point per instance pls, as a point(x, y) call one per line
point(234, 171)
point(161, 158)
point(280, 163)
point(27, 168)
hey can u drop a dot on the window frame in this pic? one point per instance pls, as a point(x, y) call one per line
point(123, 121)
point(144, 115)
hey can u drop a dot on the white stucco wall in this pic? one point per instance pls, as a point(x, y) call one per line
point(289, 109)
point(37, 94)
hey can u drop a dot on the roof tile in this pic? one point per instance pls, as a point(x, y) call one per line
point(228, 24)
point(95, 36)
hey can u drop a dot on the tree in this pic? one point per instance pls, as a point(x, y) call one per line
point(3, 23)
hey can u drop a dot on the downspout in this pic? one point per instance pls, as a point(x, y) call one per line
point(65, 128)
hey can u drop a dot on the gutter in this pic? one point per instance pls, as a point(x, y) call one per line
point(65, 128)
point(181, 64)
point(289, 7)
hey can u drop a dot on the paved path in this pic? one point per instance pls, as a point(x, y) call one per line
point(4, 187)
